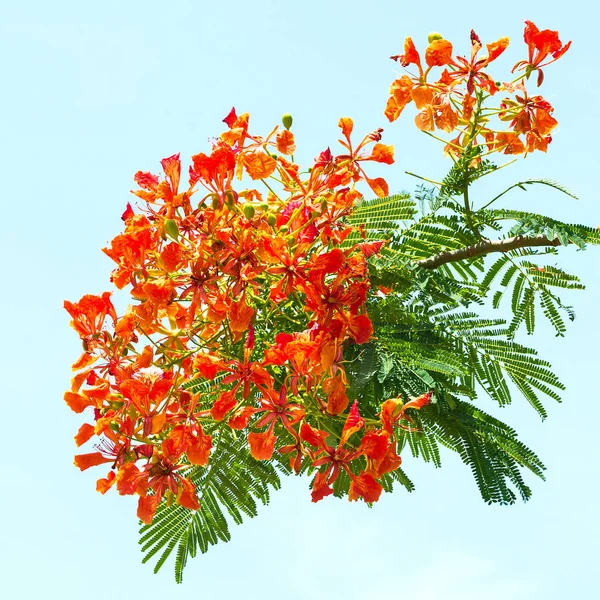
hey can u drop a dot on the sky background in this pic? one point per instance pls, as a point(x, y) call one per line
point(91, 93)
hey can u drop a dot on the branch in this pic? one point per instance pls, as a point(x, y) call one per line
point(486, 247)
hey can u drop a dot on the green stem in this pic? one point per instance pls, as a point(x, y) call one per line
point(437, 183)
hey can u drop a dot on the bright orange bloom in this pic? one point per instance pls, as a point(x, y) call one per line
point(285, 142)
point(262, 444)
point(86, 431)
point(354, 423)
point(89, 314)
point(533, 115)
point(410, 56)
point(335, 388)
point(439, 53)
point(159, 477)
point(366, 487)
point(224, 403)
point(198, 447)
point(93, 459)
point(382, 153)
point(104, 484)
point(215, 171)
point(241, 315)
point(540, 45)
point(473, 70)
point(509, 142)
point(258, 164)
point(392, 411)
point(389, 462)
point(332, 460)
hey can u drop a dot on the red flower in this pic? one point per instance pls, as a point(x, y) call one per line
point(541, 45)
point(366, 487)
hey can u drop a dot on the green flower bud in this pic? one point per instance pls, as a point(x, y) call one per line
point(434, 35)
point(287, 120)
point(230, 198)
point(271, 219)
point(171, 229)
point(248, 210)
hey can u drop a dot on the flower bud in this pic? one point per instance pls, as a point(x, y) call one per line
point(231, 198)
point(272, 219)
point(434, 35)
point(171, 228)
point(287, 120)
point(248, 210)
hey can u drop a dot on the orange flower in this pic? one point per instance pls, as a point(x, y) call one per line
point(534, 115)
point(93, 459)
point(439, 53)
point(214, 171)
point(392, 411)
point(224, 403)
point(540, 45)
point(374, 444)
point(285, 142)
point(400, 91)
point(104, 484)
point(509, 142)
point(379, 186)
point(354, 422)
point(90, 313)
point(159, 477)
point(410, 56)
point(382, 153)
point(198, 447)
point(366, 487)
point(208, 365)
point(76, 402)
point(86, 431)
point(258, 164)
point(321, 487)
point(335, 388)
point(422, 95)
point(389, 462)
point(172, 169)
point(240, 316)
point(346, 124)
point(473, 70)
point(262, 444)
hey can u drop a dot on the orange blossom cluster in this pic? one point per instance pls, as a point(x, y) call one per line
point(456, 102)
point(254, 296)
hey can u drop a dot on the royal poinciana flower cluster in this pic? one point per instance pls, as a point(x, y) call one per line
point(258, 292)
point(460, 101)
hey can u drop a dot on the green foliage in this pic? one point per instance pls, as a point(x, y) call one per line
point(466, 170)
point(379, 218)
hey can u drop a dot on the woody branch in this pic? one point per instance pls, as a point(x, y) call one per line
point(486, 247)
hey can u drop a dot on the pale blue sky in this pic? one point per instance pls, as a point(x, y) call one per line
point(91, 93)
